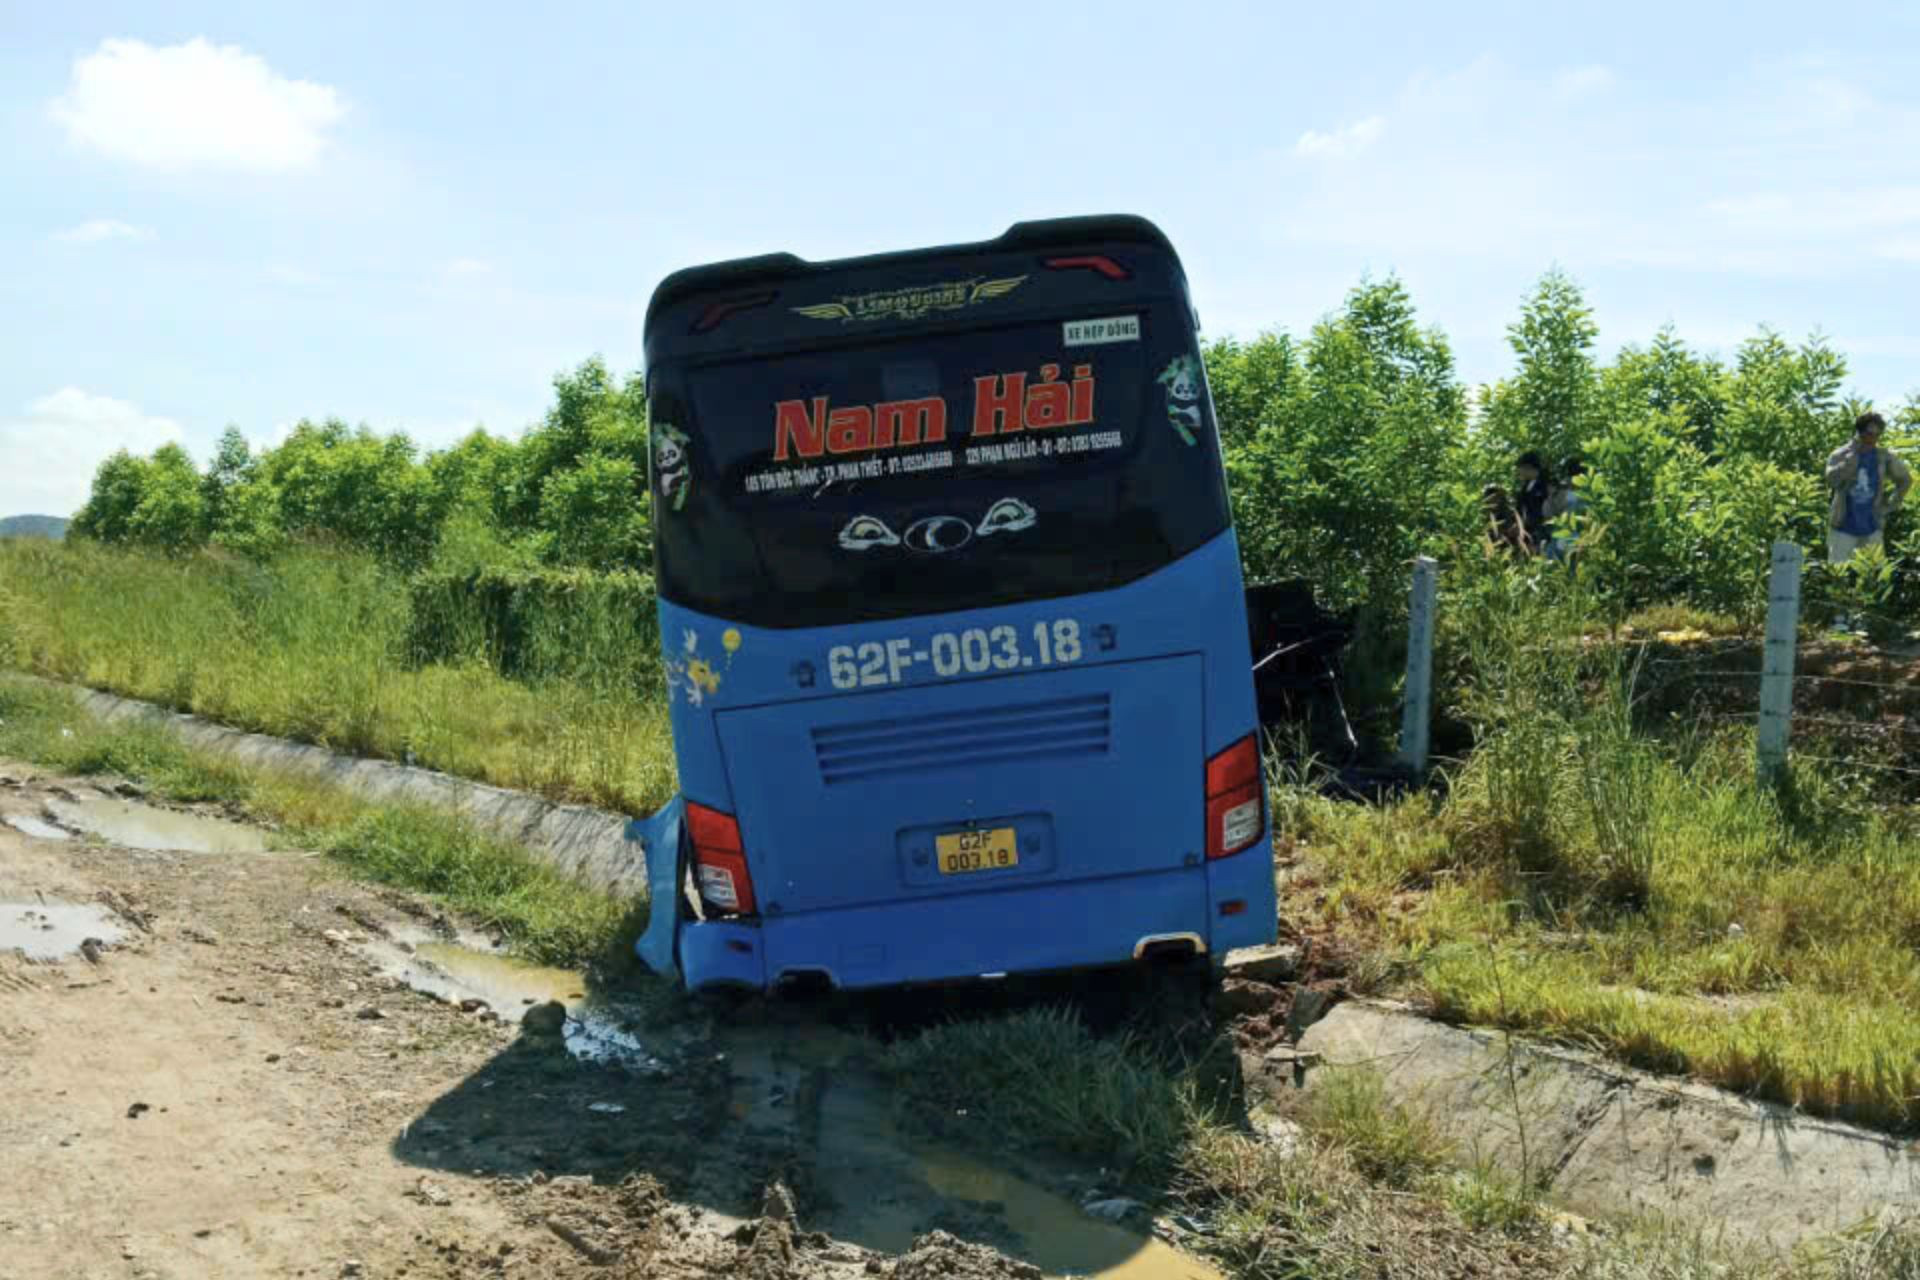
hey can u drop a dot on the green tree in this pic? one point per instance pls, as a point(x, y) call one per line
point(1785, 404)
point(232, 466)
point(1552, 404)
point(592, 515)
point(172, 515)
point(1667, 377)
point(354, 487)
point(1342, 474)
point(119, 484)
point(1253, 384)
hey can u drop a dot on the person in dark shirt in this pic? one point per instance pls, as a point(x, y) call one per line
point(1531, 497)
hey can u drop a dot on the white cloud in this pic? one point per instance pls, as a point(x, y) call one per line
point(1822, 213)
point(468, 267)
point(195, 106)
point(1345, 141)
point(48, 457)
point(1578, 82)
point(1906, 250)
point(94, 230)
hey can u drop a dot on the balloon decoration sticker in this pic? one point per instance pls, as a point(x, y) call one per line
point(673, 477)
point(691, 674)
point(1181, 378)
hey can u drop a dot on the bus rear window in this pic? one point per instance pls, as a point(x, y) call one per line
point(939, 473)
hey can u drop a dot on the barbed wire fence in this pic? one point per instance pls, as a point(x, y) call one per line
point(1859, 713)
point(1879, 732)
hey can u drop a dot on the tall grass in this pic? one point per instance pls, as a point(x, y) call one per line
point(321, 647)
point(1602, 881)
point(544, 915)
point(1364, 1187)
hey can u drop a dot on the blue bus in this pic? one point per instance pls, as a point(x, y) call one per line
point(953, 619)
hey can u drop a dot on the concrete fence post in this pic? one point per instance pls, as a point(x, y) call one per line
point(1776, 671)
point(1416, 717)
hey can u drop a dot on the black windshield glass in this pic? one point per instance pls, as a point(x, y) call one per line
point(934, 473)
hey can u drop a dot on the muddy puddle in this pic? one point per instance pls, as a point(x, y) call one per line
point(887, 1178)
point(29, 826)
point(886, 1185)
point(597, 1030)
point(46, 931)
point(139, 826)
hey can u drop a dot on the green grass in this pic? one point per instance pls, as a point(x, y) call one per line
point(1372, 1191)
point(1676, 915)
point(1631, 886)
point(317, 647)
point(544, 916)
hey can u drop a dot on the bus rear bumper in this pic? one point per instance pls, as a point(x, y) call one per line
point(1084, 924)
point(1243, 908)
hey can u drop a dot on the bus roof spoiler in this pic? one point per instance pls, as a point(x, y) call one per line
point(772, 268)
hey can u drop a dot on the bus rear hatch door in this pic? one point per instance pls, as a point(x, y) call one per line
point(971, 786)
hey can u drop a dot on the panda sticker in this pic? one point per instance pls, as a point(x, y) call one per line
point(671, 473)
point(1181, 378)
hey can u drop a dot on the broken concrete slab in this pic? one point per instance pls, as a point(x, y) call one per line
point(1271, 964)
point(1605, 1140)
point(1516, 1110)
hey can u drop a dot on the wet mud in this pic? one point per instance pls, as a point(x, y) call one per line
point(460, 1113)
point(28, 825)
point(45, 931)
point(139, 826)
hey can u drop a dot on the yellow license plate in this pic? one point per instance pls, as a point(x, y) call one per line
point(987, 849)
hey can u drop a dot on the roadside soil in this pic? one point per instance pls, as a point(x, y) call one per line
point(220, 1064)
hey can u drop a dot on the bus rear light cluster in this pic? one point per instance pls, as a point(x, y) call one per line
point(1090, 262)
point(719, 860)
point(1236, 801)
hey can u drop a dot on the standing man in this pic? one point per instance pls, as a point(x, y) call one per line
point(1867, 483)
point(1530, 499)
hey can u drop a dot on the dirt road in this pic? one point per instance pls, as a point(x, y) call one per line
point(218, 1060)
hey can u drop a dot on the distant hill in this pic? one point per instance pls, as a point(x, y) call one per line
point(54, 527)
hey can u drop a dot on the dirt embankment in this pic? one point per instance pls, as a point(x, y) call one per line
point(213, 1065)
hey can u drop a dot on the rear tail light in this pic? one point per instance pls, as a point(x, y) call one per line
point(716, 312)
point(1236, 800)
point(1091, 262)
point(719, 860)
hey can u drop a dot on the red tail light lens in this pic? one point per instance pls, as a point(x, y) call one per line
point(719, 860)
point(1236, 800)
point(716, 312)
point(1091, 262)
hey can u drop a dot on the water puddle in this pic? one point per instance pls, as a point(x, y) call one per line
point(455, 972)
point(595, 1030)
point(139, 826)
point(866, 1161)
point(54, 930)
point(891, 1183)
point(34, 827)
point(1060, 1238)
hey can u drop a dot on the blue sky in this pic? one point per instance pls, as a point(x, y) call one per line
point(414, 215)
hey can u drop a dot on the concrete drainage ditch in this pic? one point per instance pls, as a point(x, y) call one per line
point(1606, 1141)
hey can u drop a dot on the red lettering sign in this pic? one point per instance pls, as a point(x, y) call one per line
point(1003, 403)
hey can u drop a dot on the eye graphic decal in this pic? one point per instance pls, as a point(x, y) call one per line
point(1009, 515)
point(937, 534)
point(864, 532)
